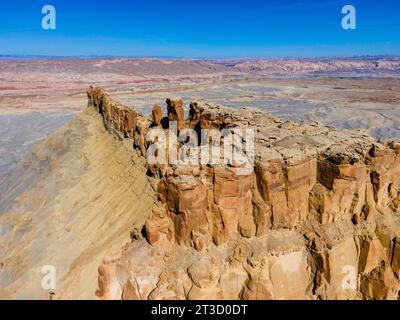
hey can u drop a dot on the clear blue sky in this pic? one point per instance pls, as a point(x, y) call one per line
point(200, 29)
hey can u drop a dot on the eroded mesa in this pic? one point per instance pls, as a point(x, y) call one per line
point(317, 218)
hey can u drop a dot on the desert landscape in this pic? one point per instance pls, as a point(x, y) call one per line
point(44, 94)
point(322, 196)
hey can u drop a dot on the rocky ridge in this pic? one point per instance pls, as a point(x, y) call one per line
point(77, 196)
point(316, 218)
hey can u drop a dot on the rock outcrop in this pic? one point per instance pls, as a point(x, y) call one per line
point(157, 115)
point(116, 116)
point(176, 112)
point(316, 216)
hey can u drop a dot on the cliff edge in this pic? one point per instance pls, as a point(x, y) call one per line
point(316, 217)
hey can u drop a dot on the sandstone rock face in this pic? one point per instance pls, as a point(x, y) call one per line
point(120, 120)
point(116, 116)
point(156, 115)
point(176, 112)
point(108, 283)
point(315, 218)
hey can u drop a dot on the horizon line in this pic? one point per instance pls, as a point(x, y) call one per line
point(107, 56)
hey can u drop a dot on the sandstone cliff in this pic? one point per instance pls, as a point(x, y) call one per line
point(315, 218)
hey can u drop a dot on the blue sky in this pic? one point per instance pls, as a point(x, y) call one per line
point(200, 29)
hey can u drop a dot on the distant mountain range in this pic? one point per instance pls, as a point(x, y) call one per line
point(34, 56)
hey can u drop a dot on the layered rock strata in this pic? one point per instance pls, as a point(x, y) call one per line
point(316, 217)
